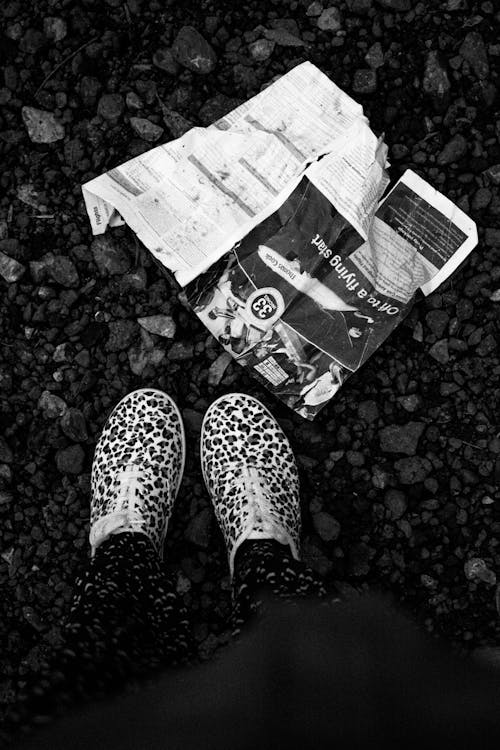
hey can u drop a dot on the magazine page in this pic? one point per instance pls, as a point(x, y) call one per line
point(418, 238)
point(190, 200)
point(272, 220)
point(304, 299)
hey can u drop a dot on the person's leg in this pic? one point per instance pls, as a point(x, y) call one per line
point(252, 477)
point(126, 614)
point(268, 567)
point(126, 617)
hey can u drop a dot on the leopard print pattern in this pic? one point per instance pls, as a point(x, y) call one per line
point(239, 434)
point(138, 466)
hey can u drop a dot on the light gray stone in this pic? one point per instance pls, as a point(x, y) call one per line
point(42, 126)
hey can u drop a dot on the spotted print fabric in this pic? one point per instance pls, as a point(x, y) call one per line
point(137, 468)
point(251, 474)
point(267, 566)
point(125, 602)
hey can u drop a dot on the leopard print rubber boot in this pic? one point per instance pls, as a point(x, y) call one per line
point(137, 468)
point(251, 474)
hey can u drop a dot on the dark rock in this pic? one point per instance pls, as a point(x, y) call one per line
point(6, 455)
point(51, 405)
point(380, 477)
point(133, 101)
point(395, 502)
point(375, 56)
point(436, 82)
point(446, 389)
point(493, 173)
point(330, 20)
point(199, 528)
point(5, 475)
point(437, 320)
point(261, 49)
point(33, 618)
point(109, 257)
point(42, 126)
point(245, 77)
point(183, 584)
point(487, 346)
point(63, 271)
point(453, 151)
point(401, 438)
point(11, 247)
point(361, 7)
point(70, 460)
point(111, 107)
point(146, 88)
point(314, 557)
point(55, 28)
point(10, 270)
point(314, 9)
point(73, 425)
point(360, 555)
point(40, 269)
point(410, 403)
point(6, 498)
point(473, 50)
point(164, 59)
point(176, 124)
point(144, 354)
point(476, 570)
point(193, 420)
point(160, 325)
point(368, 411)
point(121, 335)
point(412, 470)
point(146, 129)
point(136, 280)
point(218, 368)
point(89, 90)
point(93, 334)
point(326, 525)
point(355, 458)
point(180, 351)
point(192, 51)
point(83, 358)
point(398, 5)
point(215, 108)
point(285, 24)
point(492, 237)
point(439, 352)
point(465, 308)
point(493, 445)
point(73, 151)
point(284, 38)
point(32, 41)
point(63, 352)
point(365, 82)
point(482, 199)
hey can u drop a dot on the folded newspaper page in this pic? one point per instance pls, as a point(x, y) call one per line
point(271, 219)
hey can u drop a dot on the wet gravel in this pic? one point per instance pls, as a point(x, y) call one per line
point(400, 474)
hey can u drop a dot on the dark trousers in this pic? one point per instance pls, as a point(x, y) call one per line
point(302, 672)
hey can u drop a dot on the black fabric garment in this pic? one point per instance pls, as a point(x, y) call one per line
point(353, 676)
point(302, 672)
point(128, 620)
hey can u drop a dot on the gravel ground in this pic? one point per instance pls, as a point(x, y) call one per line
point(400, 473)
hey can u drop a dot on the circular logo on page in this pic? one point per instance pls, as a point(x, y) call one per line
point(265, 305)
